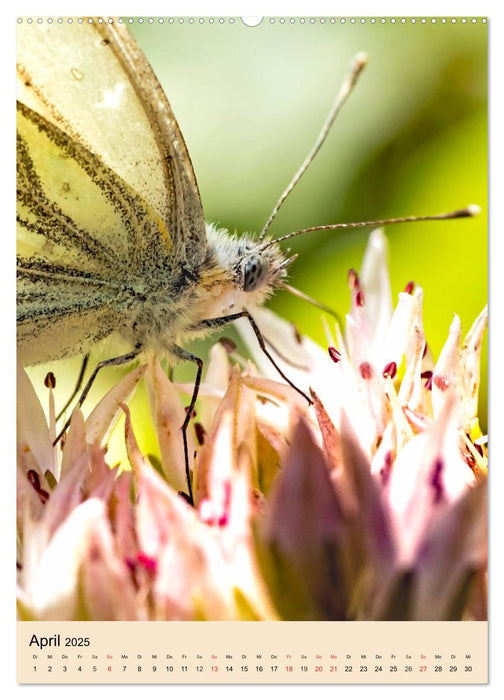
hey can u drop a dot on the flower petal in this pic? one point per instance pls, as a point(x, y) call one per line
point(51, 589)
point(398, 332)
point(428, 474)
point(303, 537)
point(217, 376)
point(447, 368)
point(169, 414)
point(470, 369)
point(452, 552)
point(373, 521)
point(32, 431)
point(215, 469)
point(106, 586)
point(374, 278)
point(192, 577)
point(370, 412)
point(75, 449)
point(100, 422)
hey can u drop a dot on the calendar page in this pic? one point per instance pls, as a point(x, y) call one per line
point(252, 353)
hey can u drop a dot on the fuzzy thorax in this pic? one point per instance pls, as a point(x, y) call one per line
point(237, 274)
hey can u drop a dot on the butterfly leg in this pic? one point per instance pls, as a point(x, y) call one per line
point(185, 355)
point(223, 320)
point(113, 361)
point(77, 386)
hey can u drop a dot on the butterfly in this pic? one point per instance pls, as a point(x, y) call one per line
point(112, 238)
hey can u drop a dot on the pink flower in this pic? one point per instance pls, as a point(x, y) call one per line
point(369, 504)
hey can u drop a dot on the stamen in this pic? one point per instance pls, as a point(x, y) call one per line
point(390, 370)
point(228, 344)
point(334, 354)
point(359, 298)
point(428, 376)
point(478, 448)
point(353, 279)
point(409, 287)
point(50, 381)
point(34, 480)
point(310, 300)
point(417, 421)
point(284, 358)
point(200, 433)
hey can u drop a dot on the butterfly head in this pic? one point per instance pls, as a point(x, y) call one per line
point(255, 272)
point(252, 270)
point(262, 269)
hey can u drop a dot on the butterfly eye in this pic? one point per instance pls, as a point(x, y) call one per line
point(253, 273)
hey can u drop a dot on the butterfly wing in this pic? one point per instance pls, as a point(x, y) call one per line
point(93, 81)
point(183, 203)
point(81, 238)
point(105, 186)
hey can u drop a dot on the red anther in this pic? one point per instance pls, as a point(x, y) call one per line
point(228, 344)
point(359, 298)
point(200, 433)
point(34, 480)
point(428, 377)
point(193, 413)
point(409, 287)
point(478, 449)
point(390, 370)
point(353, 279)
point(50, 380)
point(334, 354)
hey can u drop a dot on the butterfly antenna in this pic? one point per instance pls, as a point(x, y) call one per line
point(358, 64)
point(471, 210)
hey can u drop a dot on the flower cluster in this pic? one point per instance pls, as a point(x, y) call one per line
point(368, 505)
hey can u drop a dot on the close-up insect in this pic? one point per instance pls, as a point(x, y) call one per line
point(280, 472)
point(111, 244)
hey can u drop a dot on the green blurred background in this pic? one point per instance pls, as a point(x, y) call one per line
point(412, 139)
